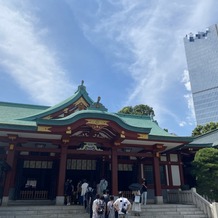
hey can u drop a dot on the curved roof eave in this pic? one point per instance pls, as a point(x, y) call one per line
point(23, 127)
point(203, 145)
point(87, 114)
point(172, 138)
point(62, 105)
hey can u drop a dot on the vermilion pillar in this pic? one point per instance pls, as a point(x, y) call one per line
point(9, 180)
point(114, 171)
point(62, 174)
point(157, 181)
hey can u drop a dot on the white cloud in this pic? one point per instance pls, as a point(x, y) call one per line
point(148, 35)
point(182, 123)
point(186, 80)
point(191, 116)
point(30, 62)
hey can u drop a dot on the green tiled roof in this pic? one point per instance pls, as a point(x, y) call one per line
point(81, 92)
point(206, 140)
point(144, 122)
point(13, 111)
point(23, 116)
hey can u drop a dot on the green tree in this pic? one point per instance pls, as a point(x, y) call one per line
point(202, 129)
point(140, 109)
point(205, 169)
point(126, 110)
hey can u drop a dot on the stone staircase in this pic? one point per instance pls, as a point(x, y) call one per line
point(76, 211)
point(46, 211)
point(170, 211)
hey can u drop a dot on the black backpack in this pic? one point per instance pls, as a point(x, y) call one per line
point(100, 207)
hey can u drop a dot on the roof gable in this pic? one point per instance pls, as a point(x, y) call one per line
point(79, 101)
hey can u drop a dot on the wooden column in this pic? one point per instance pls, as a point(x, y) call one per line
point(9, 180)
point(157, 181)
point(62, 170)
point(114, 171)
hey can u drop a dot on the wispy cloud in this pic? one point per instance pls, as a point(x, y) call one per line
point(191, 115)
point(148, 37)
point(27, 59)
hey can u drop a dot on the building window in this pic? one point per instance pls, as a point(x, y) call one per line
point(163, 175)
point(37, 164)
point(73, 164)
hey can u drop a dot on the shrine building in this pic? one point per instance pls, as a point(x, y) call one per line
point(41, 147)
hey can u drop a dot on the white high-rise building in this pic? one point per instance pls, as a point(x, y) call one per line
point(202, 58)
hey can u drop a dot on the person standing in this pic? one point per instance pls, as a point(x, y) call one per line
point(106, 199)
point(98, 207)
point(83, 191)
point(136, 207)
point(78, 192)
point(144, 192)
point(122, 206)
point(103, 185)
point(110, 207)
point(68, 191)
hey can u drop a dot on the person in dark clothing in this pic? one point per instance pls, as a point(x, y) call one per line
point(68, 186)
point(90, 201)
point(106, 199)
point(144, 192)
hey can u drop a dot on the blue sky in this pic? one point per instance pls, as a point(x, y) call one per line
point(128, 52)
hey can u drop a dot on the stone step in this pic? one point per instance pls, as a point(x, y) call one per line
point(77, 211)
point(31, 202)
point(170, 211)
point(43, 212)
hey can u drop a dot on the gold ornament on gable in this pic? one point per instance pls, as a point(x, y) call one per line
point(97, 124)
point(142, 136)
point(44, 129)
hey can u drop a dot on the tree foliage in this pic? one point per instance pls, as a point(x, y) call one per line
point(140, 109)
point(202, 129)
point(205, 169)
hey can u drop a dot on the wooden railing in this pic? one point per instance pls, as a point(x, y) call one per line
point(33, 194)
point(192, 197)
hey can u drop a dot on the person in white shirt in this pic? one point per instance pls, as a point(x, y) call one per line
point(122, 205)
point(83, 190)
point(103, 185)
point(98, 207)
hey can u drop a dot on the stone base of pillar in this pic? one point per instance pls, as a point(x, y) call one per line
point(5, 200)
point(59, 200)
point(159, 199)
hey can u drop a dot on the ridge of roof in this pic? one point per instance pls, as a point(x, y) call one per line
point(93, 114)
point(206, 134)
point(10, 104)
point(81, 92)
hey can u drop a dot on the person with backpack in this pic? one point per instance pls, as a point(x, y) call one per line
point(110, 207)
point(122, 206)
point(98, 207)
point(106, 199)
